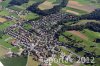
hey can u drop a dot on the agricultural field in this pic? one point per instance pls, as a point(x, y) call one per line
point(77, 5)
point(55, 1)
point(75, 42)
point(87, 37)
point(5, 40)
point(6, 24)
point(4, 13)
point(5, 3)
point(90, 2)
point(45, 5)
point(29, 16)
point(74, 11)
point(21, 61)
point(2, 20)
point(3, 51)
point(31, 62)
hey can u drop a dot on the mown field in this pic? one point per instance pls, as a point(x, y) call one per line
point(15, 61)
point(80, 12)
point(3, 51)
point(86, 42)
point(84, 38)
point(11, 61)
point(95, 3)
point(31, 62)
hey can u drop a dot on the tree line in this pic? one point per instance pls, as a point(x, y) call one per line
point(89, 25)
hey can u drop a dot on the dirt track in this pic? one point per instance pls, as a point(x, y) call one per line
point(79, 6)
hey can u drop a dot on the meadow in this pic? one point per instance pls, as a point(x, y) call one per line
point(21, 61)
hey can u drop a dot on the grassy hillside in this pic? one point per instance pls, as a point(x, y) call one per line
point(90, 2)
point(21, 61)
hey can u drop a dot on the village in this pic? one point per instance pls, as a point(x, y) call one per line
point(37, 38)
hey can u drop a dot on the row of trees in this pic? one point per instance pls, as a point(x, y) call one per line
point(90, 25)
point(18, 2)
point(95, 15)
point(1, 34)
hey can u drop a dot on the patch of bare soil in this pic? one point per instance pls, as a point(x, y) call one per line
point(2, 20)
point(76, 64)
point(79, 6)
point(77, 33)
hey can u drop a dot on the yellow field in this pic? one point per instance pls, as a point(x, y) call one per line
point(31, 62)
point(73, 12)
point(45, 5)
point(3, 51)
point(2, 20)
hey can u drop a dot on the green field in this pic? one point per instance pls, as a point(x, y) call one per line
point(4, 37)
point(4, 13)
point(5, 43)
point(90, 2)
point(5, 3)
point(87, 42)
point(81, 12)
point(54, 64)
point(16, 61)
point(30, 16)
point(11, 61)
point(3, 51)
point(55, 1)
point(91, 34)
point(27, 26)
point(6, 24)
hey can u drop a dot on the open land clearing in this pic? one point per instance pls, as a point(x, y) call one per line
point(73, 12)
point(2, 20)
point(31, 62)
point(45, 5)
point(76, 64)
point(77, 33)
point(15, 61)
point(91, 34)
point(3, 51)
point(77, 5)
point(83, 22)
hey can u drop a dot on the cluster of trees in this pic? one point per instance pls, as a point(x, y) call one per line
point(34, 8)
point(90, 25)
point(95, 1)
point(1, 34)
point(95, 15)
point(93, 26)
point(18, 2)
